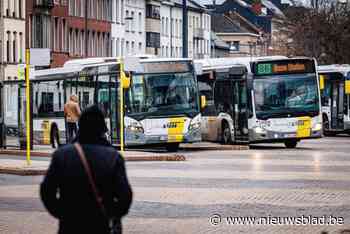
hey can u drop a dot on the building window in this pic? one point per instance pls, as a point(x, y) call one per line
point(153, 40)
point(140, 47)
point(133, 47)
point(21, 47)
point(166, 26)
point(8, 47)
point(117, 47)
point(132, 21)
point(14, 48)
point(128, 21)
point(152, 11)
point(20, 8)
point(117, 11)
point(234, 46)
point(140, 22)
point(122, 48)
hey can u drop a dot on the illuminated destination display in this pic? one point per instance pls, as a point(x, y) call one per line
point(284, 67)
point(167, 67)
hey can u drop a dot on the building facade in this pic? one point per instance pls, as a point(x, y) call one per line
point(12, 37)
point(164, 29)
point(118, 28)
point(69, 28)
point(135, 36)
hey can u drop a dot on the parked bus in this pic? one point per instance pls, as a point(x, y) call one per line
point(257, 100)
point(335, 98)
point(162, 105)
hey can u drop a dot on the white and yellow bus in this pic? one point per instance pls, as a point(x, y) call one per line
point(162, 105)
point(335, 98)
point(261, 99)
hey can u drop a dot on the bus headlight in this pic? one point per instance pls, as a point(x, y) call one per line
point(318, 127)
point(135, 128)
point(195, 125)
point(259, 130)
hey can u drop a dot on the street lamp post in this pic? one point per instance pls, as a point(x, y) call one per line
point(185, 29)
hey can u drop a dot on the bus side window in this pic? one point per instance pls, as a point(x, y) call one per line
point(206, 88)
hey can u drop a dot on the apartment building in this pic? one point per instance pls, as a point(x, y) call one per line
point(118, 28)
point(135, 34)
point(171, 30)
point(12, 37)
point(70, 28)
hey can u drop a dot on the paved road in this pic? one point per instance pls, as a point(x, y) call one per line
point(179, 197)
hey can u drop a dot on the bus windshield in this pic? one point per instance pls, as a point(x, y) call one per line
point(162, 94)
point(286, 96)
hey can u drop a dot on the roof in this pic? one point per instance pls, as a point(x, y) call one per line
point(194, 4)
point(218, 43)
point(272, 7)
point(224, 24)
point(341, 68)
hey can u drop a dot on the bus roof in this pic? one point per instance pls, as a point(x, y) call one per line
point(231, 61)
point(73, 67)
point(339, 68)
point(217, 63)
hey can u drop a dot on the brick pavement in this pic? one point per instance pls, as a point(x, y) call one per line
point(179, 197)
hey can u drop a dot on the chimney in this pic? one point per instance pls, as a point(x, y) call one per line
point(256, 7)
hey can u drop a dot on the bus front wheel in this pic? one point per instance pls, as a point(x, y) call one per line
point(55, 138)
point(225, 134)
point(291, 144)
point(172, 147)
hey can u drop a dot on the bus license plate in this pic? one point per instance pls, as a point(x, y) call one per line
point(289, 135)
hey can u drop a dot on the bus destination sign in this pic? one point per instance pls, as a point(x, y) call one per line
point(165, 67)
point(284, 67)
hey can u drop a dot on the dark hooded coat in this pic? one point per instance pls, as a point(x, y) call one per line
point(66, 192)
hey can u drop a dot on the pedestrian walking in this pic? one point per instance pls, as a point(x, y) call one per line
point(72, 113)
point(86, 186)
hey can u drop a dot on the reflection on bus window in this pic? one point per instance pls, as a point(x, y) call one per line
point(162, 94)
point(206, 86)
point(285, 95)
point(47, 99)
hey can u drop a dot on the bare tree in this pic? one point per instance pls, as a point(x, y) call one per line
point(322, 32)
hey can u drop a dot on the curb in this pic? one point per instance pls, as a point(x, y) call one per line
point(219, 147)
point(22, 171)
point(24, 153)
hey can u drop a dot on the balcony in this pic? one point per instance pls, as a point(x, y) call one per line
point(44, 3)
point(198, 33)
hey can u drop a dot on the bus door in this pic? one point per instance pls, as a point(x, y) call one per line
point(20, 131)
point(240, 115)
point(107, 99)
point(337, 104)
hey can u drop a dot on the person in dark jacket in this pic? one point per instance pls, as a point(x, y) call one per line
point(66, 191)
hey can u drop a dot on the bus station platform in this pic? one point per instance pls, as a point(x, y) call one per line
point(13, 161)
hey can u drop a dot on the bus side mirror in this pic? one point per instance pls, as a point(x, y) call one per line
point(125, 81)
point(321, 82)
point(203, 101)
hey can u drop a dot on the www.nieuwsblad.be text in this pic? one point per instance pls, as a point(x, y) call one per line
point(304, 220)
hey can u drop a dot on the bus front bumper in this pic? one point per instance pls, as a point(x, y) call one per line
point(273, 136)
point(133, 139)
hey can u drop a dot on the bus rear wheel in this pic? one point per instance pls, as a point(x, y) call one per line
point(172, 147)
point(291, 144)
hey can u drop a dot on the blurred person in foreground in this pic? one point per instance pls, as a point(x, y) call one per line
point(87, 201)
